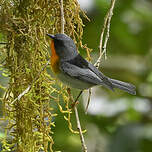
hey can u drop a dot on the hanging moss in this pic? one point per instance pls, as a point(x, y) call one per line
point(25, 24)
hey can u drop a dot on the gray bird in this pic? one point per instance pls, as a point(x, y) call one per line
point(73, 70)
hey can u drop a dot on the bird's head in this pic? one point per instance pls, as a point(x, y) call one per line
point(64, 46)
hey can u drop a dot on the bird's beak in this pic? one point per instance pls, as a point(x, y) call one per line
point(51, 36)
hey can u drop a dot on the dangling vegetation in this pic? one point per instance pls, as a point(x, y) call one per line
point(24, 25)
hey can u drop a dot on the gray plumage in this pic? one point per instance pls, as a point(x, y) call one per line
point(78, 72)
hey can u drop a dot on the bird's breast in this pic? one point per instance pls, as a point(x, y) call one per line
point(54, 59)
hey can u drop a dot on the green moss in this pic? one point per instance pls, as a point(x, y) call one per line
point(25, 24)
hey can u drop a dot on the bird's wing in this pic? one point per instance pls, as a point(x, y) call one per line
point(81, 62)
point(106, 81)
point(81, 69)
point(79, 73)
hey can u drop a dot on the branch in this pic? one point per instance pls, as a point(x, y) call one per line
point(84, 147)
point(89, 98)
point(106, 26)
point(62, 17)
point(74, 102)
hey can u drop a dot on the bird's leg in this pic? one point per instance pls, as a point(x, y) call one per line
point(78, 96)
point(74, 102)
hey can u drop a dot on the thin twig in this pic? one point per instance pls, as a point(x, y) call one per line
point(106, 26)
point(84, 147)
point(76, 100)
point(89, 97)
point(62, 17)
point(78, 96)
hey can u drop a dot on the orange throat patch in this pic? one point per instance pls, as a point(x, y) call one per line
point(54, 59)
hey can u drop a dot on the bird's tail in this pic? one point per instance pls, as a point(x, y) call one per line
point(123, 86)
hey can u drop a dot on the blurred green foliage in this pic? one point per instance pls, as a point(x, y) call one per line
point(129, 59)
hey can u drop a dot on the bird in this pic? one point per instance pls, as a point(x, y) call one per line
point(73, 70)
